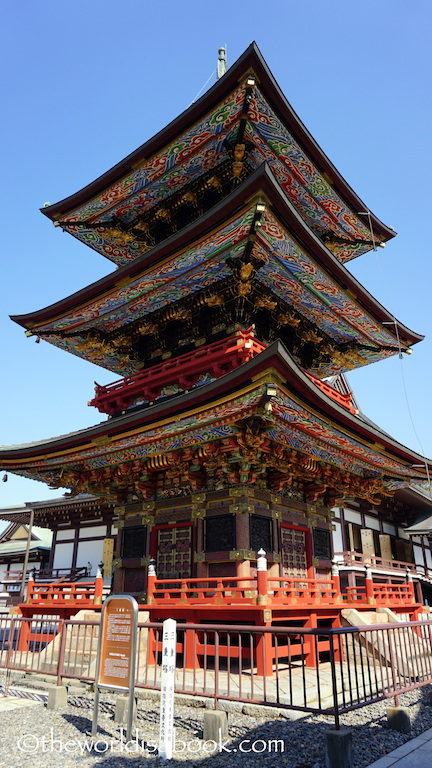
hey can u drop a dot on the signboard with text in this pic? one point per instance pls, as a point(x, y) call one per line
point(117, 641)
point(117, 650)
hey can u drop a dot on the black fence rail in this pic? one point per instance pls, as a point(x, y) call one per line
point(325, 671)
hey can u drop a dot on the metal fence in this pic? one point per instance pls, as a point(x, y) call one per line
point(327, 671)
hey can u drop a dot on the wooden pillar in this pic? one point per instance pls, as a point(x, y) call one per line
point(242, 542)
point(26, 556)
point(118, 576)
point(198, 514)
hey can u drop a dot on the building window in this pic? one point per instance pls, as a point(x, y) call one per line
point(134, 541)
point(321, 543)
point(261, 533)
point(220, 533)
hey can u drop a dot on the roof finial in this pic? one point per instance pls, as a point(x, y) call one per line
point(222, 62)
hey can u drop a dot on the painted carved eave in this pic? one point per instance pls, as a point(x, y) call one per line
point(58, 322)
point(128, 174)
point(298, 404)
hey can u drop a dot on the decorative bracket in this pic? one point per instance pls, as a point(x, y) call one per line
point(198, 513)
point(242, 554)
point(242, 509)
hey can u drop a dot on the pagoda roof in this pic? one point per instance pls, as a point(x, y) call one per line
point(198, 140)
point(302, 418)
point(297, 268)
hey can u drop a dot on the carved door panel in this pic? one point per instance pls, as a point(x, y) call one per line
point(294, 553)
point(174, 551)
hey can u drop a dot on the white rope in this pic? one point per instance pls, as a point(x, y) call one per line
point(407, 402)
point(212, 74)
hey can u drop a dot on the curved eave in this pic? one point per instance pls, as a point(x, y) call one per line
point(261, 181)
point(275, 357)
point(251, 59)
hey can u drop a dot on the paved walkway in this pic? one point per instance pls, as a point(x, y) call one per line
point(416, 753)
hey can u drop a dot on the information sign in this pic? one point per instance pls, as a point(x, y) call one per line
point(116, 656)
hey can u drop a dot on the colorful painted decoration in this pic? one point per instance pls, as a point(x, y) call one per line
point(215, 428)
point(286, 270)
point(205, 146)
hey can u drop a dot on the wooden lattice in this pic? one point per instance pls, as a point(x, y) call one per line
point(174, 553)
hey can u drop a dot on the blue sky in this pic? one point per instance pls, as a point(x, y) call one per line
point(85, 83)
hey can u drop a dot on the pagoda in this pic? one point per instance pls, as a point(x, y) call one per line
point(230, 321)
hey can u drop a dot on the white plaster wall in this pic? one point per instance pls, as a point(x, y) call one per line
point(351, 516)
point(418, 555)
point(3, 568)
point(92, 530)
point(67, 533)
point(90, 552)
point(390, 529)
point(337, 538)
point(63, 555)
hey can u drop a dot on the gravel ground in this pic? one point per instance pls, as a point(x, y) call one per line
point(66, 743)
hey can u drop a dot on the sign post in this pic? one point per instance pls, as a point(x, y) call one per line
point(116, 654)
point(166, 727)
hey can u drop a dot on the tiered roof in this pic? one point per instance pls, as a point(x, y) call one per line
point(267, 418)
point(244, 260)
point(241, 122)
point(230, 221)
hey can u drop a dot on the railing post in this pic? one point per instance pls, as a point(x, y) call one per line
point(369, 586)
point(410, 584)
point(61, 655)
point(30, 588)
point(151, 579)
point(98, 588)
point(24, 634)
point(336, 582)
point(262, 578)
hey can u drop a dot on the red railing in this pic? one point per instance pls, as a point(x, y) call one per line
point(338, 397)
point(217, 358)
point(61, 594)
point(385, 594)
point(213, 591)
point(230, 591)
point(274, 591)
point(379, 563)
point(285, 591)
point(46, 574)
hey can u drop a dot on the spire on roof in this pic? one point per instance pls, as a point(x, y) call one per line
point(222, 62)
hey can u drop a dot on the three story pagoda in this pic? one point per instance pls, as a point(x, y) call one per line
point(230, 318)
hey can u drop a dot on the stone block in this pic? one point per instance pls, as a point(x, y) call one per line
point(215, 725)
point(339, 748)
point(260, 710)
point(121, 709)
point(399, 719)
point(226, 706)
point(57, 697)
